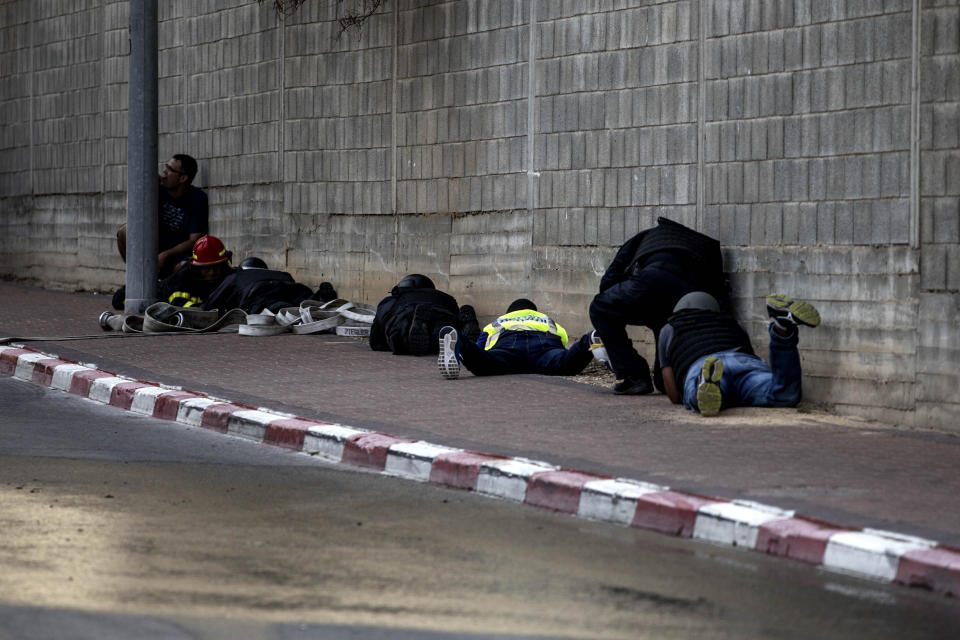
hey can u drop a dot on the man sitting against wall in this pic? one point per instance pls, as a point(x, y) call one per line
point(182, 215)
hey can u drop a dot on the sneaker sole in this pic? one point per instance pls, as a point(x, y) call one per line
point(447, 360)
point(709, 397)
point(799, 311)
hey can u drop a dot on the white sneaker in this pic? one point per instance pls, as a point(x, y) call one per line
point(447, 360)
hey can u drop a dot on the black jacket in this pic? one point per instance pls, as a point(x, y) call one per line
point(254, 290)
point(696, 256)
point(396, 312)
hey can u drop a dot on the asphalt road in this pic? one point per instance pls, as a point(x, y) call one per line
point(115, 525)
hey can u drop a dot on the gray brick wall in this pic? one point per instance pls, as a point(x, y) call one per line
point(508, 148)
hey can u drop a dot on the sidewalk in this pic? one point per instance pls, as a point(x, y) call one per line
point(844, 471)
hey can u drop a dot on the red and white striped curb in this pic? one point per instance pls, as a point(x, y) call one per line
point(868, 553)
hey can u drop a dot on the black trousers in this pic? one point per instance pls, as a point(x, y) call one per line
point(526, 352)
point(645, 298)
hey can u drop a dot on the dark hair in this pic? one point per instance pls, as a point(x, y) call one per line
point(188, 164)
point(521, 303)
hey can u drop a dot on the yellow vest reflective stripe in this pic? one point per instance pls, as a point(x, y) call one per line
point(522, 320)
point(188, 299)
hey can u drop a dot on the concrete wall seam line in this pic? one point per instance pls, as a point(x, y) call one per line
point(867, 553)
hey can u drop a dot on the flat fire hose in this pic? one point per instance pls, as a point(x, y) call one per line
point(162, 318)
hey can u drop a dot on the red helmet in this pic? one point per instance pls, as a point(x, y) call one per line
point(209, 250)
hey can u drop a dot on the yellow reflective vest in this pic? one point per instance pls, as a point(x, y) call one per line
point(522, 320)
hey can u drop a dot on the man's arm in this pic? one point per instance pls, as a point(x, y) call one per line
point(184, 247)
point(670, 385)
point(615, 271)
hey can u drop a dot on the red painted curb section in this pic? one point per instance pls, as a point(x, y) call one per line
point(9, 358)
point(288, 432)
point(670, 512)
point(121, 396)
point(558, 490)
point(796, 538)
point(217, 416)
point(369, 450)
point(82, 380)
point(168, 404)
point(937, 569)
point(654, 508)
point(460, 469)
point(43, 371)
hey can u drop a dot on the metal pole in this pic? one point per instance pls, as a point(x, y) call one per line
point(142, 186)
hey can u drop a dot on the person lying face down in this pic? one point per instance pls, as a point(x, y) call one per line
point(522, 340)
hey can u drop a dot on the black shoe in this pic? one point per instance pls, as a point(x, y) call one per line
point(119, 296)
point(325, 293)
point(632, 387)
point(469, 325)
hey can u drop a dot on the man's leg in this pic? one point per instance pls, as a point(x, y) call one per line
point(557, 361)
point(482, 362)
point(646, 299)
point(723, 380)
point(122, 242)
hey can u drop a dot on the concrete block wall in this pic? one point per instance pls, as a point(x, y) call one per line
point(938, 338)
point(507, 148)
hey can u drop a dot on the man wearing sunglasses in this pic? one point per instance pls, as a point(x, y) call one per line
point(182, 217)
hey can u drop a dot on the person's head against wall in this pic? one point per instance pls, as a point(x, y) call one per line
point(414, 281)
point(188, 165)
point(211, 258)
point(253, 263)
point(520, 304)
point(697, 300)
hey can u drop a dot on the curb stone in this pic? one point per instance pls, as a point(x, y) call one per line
point(867, 553)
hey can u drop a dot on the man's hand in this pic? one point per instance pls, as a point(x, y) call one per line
point(670, 385)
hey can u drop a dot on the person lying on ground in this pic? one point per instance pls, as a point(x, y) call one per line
point(709, 365)
point(523, 340)
point(408, 321)
point(190, 285)
point(255, 288)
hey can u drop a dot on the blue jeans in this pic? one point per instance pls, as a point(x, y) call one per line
point(526, 352)
point(748, 381)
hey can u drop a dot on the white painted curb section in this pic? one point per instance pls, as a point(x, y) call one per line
point(190, 411)
point(613, 500)
point(735, 523)
point(250, 423)
point(871, 552)
point(63, 376)
point(25, 363)
point(327, 441)
point(414, 460)
point(509, 478)
point(102, 388)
